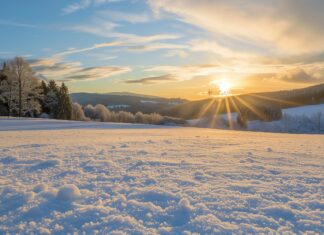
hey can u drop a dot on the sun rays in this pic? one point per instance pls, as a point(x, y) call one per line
point(225, 108)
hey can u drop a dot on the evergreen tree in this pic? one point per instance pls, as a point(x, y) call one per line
point(64, 105)
point(51, 98)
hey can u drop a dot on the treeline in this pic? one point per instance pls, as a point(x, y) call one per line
point(22, 94)
point(101, 113)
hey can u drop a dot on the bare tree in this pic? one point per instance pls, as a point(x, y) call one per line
point(25, 84)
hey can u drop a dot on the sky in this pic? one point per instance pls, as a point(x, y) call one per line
point(169, 48)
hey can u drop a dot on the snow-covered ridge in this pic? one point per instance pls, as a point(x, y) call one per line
point(307, 110)
point(139, 180)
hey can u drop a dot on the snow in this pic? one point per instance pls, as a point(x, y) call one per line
point(307, 110)
point(308, 119)
point(97, 178)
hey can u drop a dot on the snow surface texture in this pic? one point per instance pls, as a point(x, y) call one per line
point(129, 180)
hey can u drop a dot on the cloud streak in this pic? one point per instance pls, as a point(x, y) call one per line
point(152, 80)
point(53, 68)
point(83, 4)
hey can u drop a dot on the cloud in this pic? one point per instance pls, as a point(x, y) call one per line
point(177, 53)
point(153, 80)
point(155, 47)
point(77, 6)
point(53, 68)
point(118, 16)
point(177, 73)
point(95, 46)
point(17, 24)
point(130, 42)
point(276, 26)
point(299, 75)
point(83, 4)
point(106, 29)
point(188, 72)
point(74, 71)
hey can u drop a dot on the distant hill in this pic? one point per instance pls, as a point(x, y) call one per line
point(282, 99)
point(126, 101)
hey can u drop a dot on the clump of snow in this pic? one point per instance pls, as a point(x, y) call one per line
point(68, 192)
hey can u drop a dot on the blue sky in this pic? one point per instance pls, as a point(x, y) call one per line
point(179, 48)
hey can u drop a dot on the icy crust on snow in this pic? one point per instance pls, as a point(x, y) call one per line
point(160, 181)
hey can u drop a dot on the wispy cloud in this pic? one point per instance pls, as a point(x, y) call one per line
point(83, 4)
point(55, 68)
point(130, 42)
point(74, 71)
point(17, 24)
point(77, 6)
point(95, 46)
point(300, 75)
point(278, 26)
point(107, 29)
point(119, 16)
point(153, 80)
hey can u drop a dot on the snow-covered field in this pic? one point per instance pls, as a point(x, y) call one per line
point(63, 177)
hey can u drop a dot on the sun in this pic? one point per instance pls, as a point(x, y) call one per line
point(224, 87)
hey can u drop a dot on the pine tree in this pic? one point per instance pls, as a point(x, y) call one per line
point(51, 98)
point(65, 105)
point(7, 89)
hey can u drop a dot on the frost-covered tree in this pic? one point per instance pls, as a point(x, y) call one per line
point(89, 111)
point(51, 103)
point(125, 117)
point(20, 89)
point(139, 117)
point(78, 113)
point(51, 98)
point(102, 113)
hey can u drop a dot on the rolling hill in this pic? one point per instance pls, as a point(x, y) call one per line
point(282, 99)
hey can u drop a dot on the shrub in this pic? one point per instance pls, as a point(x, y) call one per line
point(77, 113)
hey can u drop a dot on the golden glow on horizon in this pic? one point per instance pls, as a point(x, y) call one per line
point(224, 87)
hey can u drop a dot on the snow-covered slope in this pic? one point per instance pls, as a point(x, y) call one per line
point(307, 110)
point(105, 178)
point(306, 119)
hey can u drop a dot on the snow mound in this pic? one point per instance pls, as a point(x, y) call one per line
point(68, 192)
